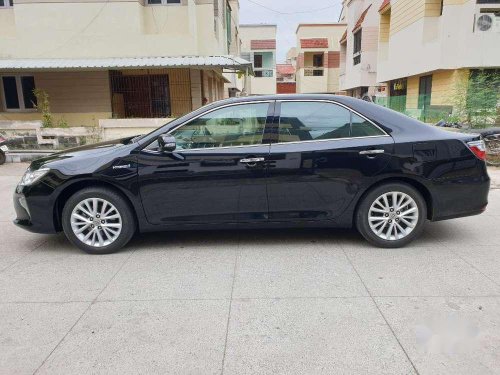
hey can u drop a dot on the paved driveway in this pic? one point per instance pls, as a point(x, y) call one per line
point(253, 302)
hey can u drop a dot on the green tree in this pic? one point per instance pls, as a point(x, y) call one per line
point(43, 105)
point(476, 99)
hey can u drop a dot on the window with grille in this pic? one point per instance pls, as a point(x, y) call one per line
point(18, 92)
point(357, 47)
point(140, 95)
point(161, 2)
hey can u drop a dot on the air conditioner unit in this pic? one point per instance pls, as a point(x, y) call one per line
point(487, 22)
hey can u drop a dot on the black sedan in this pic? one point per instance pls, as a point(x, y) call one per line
point(270, 161)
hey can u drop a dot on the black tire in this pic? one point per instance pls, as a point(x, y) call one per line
point(128, 221)
point(362, 222)
point(2, 157)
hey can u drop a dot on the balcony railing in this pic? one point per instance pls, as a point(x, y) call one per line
point(263, 73)
point(314, 72)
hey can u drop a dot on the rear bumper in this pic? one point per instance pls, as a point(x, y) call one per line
point(466, 198)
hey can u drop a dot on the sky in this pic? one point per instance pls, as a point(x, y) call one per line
point(287, 14)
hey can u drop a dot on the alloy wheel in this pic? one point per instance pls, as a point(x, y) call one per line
point(96, 222)
point(393, 216)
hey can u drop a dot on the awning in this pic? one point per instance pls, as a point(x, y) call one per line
point(343, 39)
point(359, 23)
point(224, 62)
point(385, 6)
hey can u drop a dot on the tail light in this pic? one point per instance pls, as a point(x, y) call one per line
point(478, 148)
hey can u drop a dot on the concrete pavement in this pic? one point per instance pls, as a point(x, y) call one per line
point(252, 302)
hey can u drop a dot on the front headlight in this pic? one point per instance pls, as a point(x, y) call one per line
point(30, 177)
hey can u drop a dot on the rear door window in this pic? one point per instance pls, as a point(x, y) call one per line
point(310, 121)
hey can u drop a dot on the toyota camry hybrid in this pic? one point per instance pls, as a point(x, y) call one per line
point(268, 161)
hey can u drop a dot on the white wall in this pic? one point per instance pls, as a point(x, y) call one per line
point(329, 82)
point(365, 73)
point(259, 85)
point(37, 29)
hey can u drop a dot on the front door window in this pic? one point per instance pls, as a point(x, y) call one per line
point(238, 125)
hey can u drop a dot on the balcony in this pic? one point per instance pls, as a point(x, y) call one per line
point(314, 72)
point(263, 73)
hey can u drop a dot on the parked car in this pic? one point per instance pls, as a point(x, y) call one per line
point(260, 162)
point(3, 149)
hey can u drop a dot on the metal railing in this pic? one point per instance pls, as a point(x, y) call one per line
point(263, 73)
point(314, 72)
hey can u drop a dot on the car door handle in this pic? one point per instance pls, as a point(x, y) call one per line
point(252, 160)
point(371, 152)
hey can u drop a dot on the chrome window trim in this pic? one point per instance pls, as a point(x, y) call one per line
point(339, 104)
point(207, 148)
point(330, 140)
point(205, 113)
point(277, 143)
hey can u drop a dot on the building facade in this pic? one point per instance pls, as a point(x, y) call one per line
point(291, 56)
point(429, 48)
point(285, 77)
point(258, 45)
point(359, 49)
point(116, 59)
point(318, 57)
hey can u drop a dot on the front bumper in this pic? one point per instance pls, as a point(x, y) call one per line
point(33, 214)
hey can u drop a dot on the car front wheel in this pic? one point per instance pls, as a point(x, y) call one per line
point(98, 220)
point(391, 215)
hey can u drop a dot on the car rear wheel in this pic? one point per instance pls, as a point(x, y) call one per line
point(98, 221)
point(2, 157)
point(391, 215)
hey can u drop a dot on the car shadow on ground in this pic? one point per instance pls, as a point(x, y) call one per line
point(291, 238)
point(433, 235)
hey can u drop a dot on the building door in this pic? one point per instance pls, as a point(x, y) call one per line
point(140, 95)
point(424, 95)
point(397, 99)
point(160, 95)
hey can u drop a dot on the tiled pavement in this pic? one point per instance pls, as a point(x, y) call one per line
point(252, 302)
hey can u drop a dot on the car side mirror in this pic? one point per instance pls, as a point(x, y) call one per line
point(167, 143)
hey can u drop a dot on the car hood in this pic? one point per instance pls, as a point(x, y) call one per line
point(87, 153)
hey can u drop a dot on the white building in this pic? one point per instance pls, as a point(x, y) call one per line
point(116, 59)
point(318, 57)
point(428, 47)
point(359, 49)
point(258, 44)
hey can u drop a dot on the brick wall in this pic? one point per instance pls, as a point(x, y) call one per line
point(263, 44)
point(314, 43)
point(286, 88)
point(333, 59)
